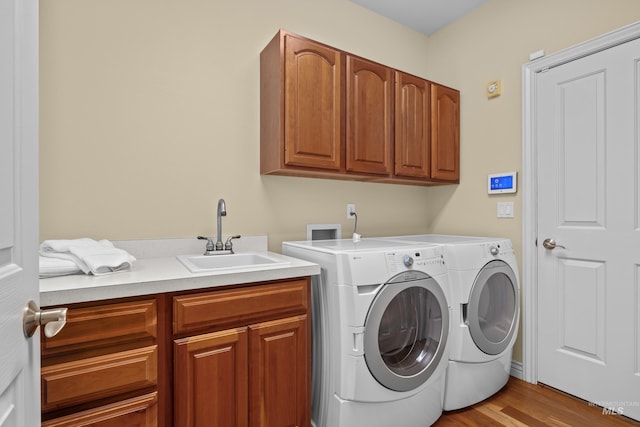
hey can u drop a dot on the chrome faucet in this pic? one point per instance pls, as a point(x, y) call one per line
point(222, 211)
point(217, 247)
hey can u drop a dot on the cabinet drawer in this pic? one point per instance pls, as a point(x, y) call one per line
point(94, 326)
point(220, 307)
point(84, 380)
point(139, 412)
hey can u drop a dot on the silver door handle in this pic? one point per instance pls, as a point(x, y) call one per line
point(53, 320)
point(551, 244)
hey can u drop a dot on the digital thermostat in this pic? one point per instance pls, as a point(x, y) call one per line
point(499, 183)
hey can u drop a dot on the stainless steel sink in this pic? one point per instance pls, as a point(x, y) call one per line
point(239, 261)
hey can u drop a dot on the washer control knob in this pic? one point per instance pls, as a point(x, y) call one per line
point(494, 250)
point(407, 260)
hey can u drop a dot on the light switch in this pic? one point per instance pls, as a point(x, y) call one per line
point(505, 209)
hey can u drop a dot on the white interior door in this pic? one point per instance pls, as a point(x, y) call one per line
point(19, 356)
point(588, 114)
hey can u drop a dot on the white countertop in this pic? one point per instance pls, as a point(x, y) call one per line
point(152, 275)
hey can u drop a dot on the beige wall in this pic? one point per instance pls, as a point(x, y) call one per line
point(492, 43)
point(150, 113)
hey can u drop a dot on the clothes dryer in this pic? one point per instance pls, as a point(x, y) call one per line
point(485, 297)
point(380, 316)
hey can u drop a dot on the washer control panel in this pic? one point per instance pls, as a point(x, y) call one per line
point(429, 260)
point(499, 248)
point(377, 265)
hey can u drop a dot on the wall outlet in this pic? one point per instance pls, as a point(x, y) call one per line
point(351, 209)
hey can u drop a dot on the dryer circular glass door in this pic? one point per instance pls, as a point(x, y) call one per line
point(493, 309)
point(406, 331)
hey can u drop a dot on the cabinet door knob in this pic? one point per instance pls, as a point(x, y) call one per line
point(53, 320)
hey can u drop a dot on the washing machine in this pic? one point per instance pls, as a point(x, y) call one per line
point(380, 325)
point(485, 301)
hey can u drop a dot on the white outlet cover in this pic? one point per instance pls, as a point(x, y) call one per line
point(505, 209)
point(351, 207)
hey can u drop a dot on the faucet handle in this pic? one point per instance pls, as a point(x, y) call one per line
point(228, 245)
point(210, 244)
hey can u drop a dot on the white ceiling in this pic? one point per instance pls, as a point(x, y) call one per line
point(424, 16)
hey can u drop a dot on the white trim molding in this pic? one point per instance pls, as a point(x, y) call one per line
point(516, 369)
point(530, 72)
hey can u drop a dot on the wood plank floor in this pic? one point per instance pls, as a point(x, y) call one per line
point(522, 404)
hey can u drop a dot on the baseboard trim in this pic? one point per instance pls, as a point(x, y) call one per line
point(516, 369)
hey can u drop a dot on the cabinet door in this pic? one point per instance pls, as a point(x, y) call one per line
point(312, 105)
point(445, 133)
point(412, 133)
point(210, 379)
point(369, 103)
point(280, 384)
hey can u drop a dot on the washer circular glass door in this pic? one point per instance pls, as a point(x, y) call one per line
point(406, 331)
point(492, 313)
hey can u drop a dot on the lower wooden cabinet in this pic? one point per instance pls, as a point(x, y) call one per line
point(102, 368)
point(255, 373)
point(227, 357)
point(140, 412)
point(211, 379)
point(279, 367)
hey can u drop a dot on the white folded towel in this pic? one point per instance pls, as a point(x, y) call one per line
point(97, 257)
point(52, 267)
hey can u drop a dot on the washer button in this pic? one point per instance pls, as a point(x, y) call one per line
point(407, 260)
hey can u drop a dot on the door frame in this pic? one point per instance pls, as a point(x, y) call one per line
point(529, 288)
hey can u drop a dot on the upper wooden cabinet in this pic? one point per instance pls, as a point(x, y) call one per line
point(329, 114)
point(369, 112)
point(412, 131)
point(445, 133)
point(312, 104)
point(300, 116)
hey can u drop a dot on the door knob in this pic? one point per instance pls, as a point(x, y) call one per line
point(53, 320)
point(551, 244)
